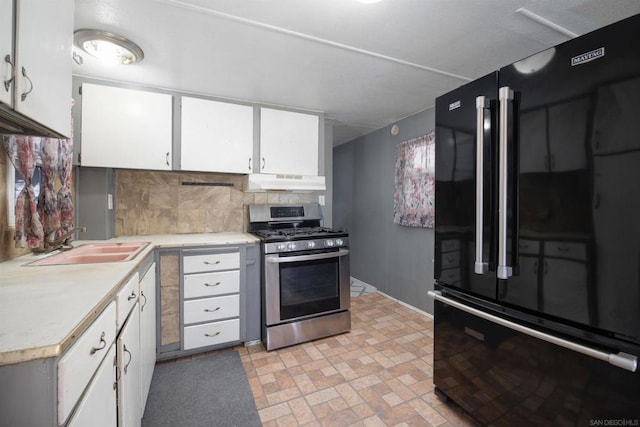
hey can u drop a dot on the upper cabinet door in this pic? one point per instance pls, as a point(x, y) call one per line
point(216, 136)
point(125, 128)
point(6, 51)
point(44, 35)
point(288, 142)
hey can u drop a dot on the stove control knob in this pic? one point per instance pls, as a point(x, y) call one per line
point(339, 242)
point(281, 247)
point(291, 246)
point(311, 244)
point(329, 243)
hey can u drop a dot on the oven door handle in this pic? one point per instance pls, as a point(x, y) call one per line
point(297, 258)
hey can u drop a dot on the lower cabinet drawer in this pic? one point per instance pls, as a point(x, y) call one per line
point(211, 262)
point(79, 363)
point(211, 334)
point(207, 309)
point(209, 284)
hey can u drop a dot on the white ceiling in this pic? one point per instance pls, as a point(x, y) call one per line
point(364, 65)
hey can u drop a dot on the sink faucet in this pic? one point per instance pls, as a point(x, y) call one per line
point(51, 243)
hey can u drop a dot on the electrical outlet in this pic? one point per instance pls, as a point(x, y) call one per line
point(110, 202)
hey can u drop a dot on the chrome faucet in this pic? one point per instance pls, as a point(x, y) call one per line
point(51, 243)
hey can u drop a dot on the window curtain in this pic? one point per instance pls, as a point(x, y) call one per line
point(414, 197)
point(29, 232)
point(48, 201)
point(65, 202)
point(53, 212)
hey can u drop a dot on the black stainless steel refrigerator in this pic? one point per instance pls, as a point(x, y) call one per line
point(537, 268)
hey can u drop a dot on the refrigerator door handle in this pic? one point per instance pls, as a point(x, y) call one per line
point(480, 267)
point(622, 360)
point(504, 271)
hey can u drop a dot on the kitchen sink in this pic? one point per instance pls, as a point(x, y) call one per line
point(94, 253)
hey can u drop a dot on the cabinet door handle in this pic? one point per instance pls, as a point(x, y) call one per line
point(249, 163)
point(103, 344)
point(263, 163)
point(211, 311)
point(166, 158)
point(132, 296)
point(211, 263)
point(212, 335)
point(210, 285)
point(145, 301)
point(24, 95)
point(124, 348)
point(7, 83)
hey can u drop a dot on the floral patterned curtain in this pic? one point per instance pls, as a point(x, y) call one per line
point(29, 231)
point(65, 202)
point(413, 201)
point(48, 201)
point(54, 210)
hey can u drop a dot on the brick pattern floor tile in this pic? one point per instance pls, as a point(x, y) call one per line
point(378, 374)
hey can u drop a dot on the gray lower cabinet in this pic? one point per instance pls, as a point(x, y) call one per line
point(207, 298)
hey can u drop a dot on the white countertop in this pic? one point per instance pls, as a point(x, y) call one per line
point(44, 308)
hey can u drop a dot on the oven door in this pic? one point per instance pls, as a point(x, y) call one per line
point(305, 284)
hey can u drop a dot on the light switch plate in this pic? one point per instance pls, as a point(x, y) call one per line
point(321, 200)
point(110, 201)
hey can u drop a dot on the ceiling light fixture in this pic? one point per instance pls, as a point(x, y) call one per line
point(108, 47)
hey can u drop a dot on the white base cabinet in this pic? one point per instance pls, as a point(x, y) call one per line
point(129, 396)
point(147, 331)
point(98, 407)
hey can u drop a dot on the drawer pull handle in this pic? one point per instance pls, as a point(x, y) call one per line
point(103, 344)
point(132, 296)
point(212, 335)
point(211, 311)
point(212, 263)
point(215, 284)
point(124, 348)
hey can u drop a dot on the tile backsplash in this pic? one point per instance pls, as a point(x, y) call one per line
point(149, 202)
point(7, 244)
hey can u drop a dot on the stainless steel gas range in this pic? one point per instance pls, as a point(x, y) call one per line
point(305, 274)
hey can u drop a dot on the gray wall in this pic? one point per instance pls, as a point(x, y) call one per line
point(395, 259)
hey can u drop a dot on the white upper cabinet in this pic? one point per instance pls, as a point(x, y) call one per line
point(125, 128)
point(288, 142)
point(6, 49)
point(42, 60)
point(216, 136)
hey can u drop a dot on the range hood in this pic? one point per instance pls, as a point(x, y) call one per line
point(271, 182)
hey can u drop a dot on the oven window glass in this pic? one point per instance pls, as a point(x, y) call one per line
point(309, 287)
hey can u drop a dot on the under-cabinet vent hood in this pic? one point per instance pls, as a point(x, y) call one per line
point(270, 182)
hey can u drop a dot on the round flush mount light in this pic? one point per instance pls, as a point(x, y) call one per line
point(395, 129)
point(108, 47)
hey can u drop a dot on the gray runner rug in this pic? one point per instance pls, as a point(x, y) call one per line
point(206, 392)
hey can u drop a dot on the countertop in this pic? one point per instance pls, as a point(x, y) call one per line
point(44, 308)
